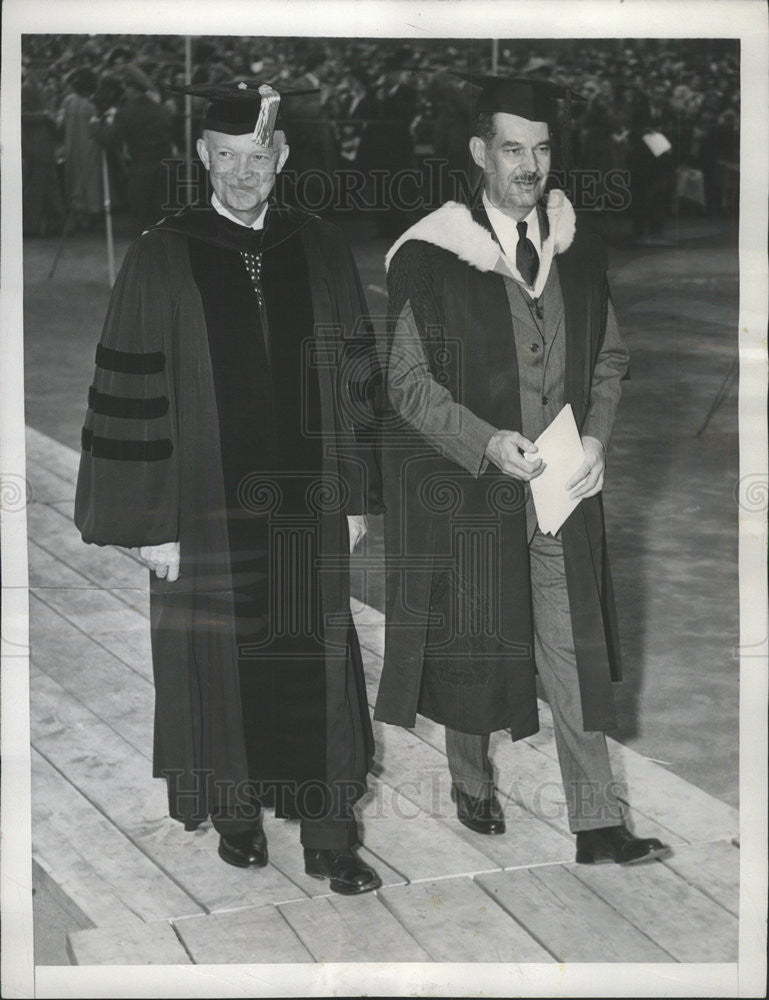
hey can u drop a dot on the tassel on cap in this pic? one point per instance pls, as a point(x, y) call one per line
point(242, 108)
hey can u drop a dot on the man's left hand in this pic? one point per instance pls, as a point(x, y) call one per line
point(588, 479)
point(357, 525)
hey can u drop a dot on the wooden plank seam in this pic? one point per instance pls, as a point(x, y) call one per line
point(136, 843)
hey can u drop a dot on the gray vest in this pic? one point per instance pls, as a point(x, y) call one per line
point(541, 352)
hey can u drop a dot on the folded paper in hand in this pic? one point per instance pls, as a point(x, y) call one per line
point(560, 448)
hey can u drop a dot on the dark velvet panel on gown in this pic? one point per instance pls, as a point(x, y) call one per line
point(265, 394)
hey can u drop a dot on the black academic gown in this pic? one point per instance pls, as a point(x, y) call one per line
point(234, 428)
point(459, 644)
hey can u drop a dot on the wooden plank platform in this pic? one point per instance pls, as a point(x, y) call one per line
point(577, 924)
point(156, 894)
point(102, 872)
point(53, 531)
point(145, 944)
point(102, 614)
point(456, 921)
point(418, 771)
point(352, 929)
point(94, 676)
point(257, 934)
point(105, 768)
point(714, 868)
point(658, 899)
point(415, 843)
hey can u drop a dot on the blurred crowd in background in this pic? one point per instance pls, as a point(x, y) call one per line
point(96, 109)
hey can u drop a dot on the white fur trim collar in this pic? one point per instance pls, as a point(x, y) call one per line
point(453, 228)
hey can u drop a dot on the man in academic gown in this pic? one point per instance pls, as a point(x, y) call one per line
point(220, 441)
point(498, 317)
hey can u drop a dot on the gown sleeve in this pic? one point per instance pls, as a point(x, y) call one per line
point(128, 482)
point(360, 391)
point(428, 407)
point(356, 371)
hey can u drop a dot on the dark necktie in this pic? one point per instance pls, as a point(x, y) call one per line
point(253, 262)
point(526, 256)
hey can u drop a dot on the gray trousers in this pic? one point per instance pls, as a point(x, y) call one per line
point(583, 757)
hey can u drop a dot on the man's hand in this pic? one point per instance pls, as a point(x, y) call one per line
point(357, 525)
point(588, 479)
point(164, 559)
point(504, 450)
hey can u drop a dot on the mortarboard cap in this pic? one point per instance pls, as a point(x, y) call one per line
point(242, 107)
point(527, 97)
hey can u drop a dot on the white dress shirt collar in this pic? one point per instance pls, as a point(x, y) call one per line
point(506, 229)
point(256, 224)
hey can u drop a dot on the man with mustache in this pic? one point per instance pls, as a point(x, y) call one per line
point(499, 316)
point(218, 443)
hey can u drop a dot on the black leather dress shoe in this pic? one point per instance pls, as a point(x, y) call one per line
point(244, 850)
point(347, 874)
point(616, 844)
point(479, 815)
